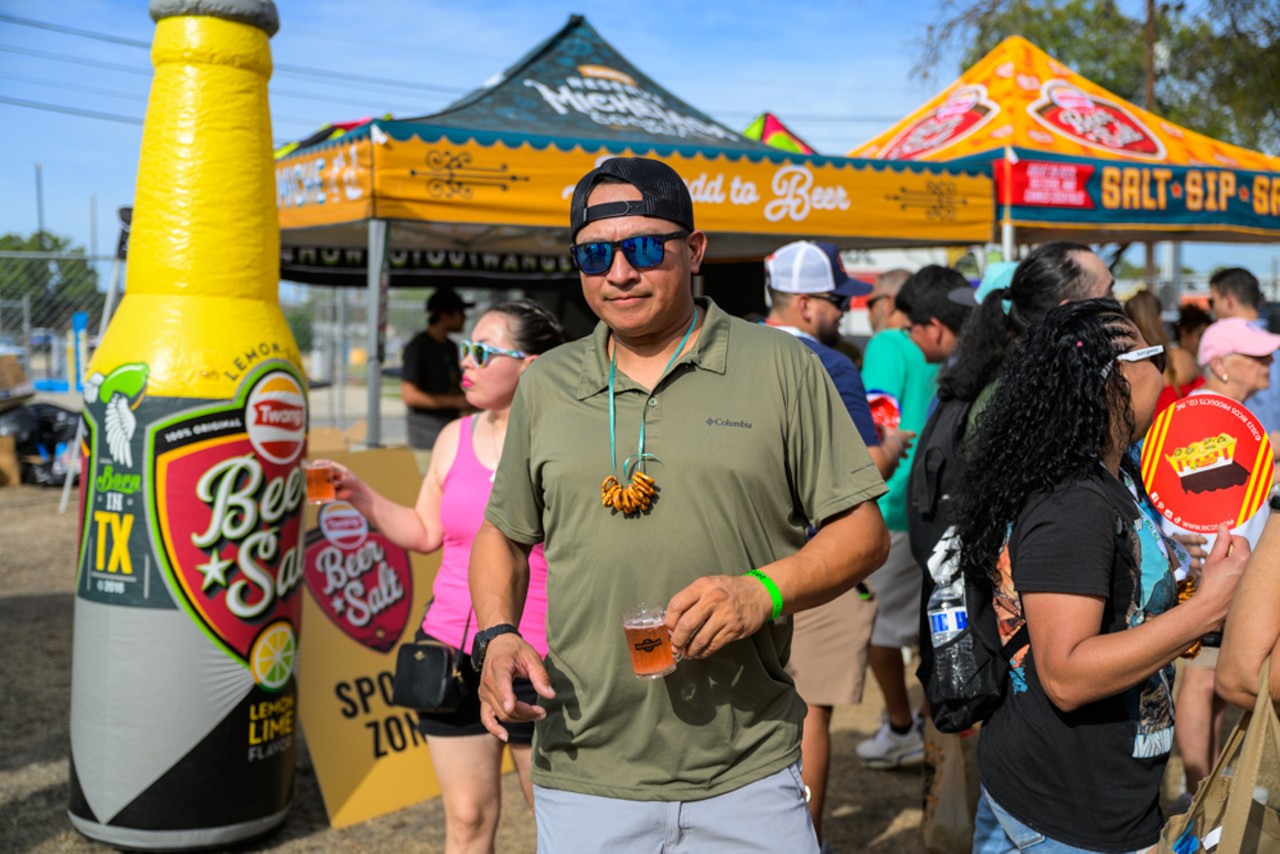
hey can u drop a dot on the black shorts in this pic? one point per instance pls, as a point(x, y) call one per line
point(465, 720)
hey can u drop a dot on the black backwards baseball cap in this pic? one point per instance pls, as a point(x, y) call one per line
point(664, 191)
point(447, 301)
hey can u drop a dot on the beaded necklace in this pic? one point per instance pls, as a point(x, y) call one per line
point(637, 496)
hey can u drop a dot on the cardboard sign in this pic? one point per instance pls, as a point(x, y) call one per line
point(364, 597)
point(1207, 461)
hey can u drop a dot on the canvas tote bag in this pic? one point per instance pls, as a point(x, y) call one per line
point(1237, 808)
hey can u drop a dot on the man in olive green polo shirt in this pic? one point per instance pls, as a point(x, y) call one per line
point(743, 444)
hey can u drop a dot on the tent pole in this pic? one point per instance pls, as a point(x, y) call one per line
point(377, 258)
point(1006, 223)
point(340, 357)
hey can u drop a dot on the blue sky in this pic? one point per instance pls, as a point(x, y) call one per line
point(837, 71)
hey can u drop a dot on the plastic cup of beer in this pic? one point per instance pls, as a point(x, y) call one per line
point(648, 641)
point(321, 483)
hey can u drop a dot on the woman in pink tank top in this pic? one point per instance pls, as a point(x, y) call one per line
point(448, 513)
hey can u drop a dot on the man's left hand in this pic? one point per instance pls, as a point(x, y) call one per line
point(716, 610)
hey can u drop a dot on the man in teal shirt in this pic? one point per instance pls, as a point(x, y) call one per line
point(893, 364)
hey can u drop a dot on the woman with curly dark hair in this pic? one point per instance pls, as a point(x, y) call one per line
point(1049, 519)
point(1051, 274)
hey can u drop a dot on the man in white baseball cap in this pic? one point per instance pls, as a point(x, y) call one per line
point(808, 292)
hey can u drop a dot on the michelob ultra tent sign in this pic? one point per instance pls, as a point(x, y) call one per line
point(1069, 155)
point(494, 171)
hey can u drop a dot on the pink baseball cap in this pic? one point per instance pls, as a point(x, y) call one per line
point(1235, 335)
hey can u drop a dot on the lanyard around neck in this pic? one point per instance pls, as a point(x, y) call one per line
point(613, 433)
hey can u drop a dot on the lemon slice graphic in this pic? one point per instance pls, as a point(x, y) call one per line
point(271, 659)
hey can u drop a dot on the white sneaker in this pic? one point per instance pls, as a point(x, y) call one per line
point(887, 749)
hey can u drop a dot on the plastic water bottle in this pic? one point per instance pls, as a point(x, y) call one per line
point(948, 615)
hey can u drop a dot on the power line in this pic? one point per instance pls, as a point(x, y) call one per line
point(77, 60)
point(354, 81)
point(132, 120)
point(814, 117)
point(72, 31)
point(73, 111)
point(340, 76)
point(71, 87)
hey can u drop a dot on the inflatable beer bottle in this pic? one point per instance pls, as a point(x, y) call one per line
point(183, 703)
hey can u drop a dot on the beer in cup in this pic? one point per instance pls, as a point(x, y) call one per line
point(321, 484)
point(648, 641)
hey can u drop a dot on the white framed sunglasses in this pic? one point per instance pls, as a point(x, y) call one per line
point(1155, 353)
point(480, 353)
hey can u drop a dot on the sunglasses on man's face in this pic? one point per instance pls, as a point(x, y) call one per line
point(838, 301)
point(1155, 353)
point(480, 353)
point(642, 252)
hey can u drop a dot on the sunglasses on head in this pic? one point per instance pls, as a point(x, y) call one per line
point(642, 252)
point(838, 301)
point(1155, 353)
point(480, 353)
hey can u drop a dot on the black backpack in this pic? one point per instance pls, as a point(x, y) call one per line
point(965, 679)
point(935, 474)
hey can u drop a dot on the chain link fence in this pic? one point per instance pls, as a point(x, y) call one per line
point(51, 306)
point(331, 326)
point(45, 297)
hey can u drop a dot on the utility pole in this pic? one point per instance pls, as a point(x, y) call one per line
point(40, 205)
point(1149, 102)
point(1149, 58)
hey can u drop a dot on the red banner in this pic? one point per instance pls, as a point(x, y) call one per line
point(1047, 184)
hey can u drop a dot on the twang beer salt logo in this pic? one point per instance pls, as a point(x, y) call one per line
point(276, 418)
point(1094, 121)
point(227, 504)
point(361, 580)
point(963, 113)
point(343, 525)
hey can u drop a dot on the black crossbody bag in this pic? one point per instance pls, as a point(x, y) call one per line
point(429, 674)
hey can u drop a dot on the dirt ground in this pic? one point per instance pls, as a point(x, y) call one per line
point(867, 811)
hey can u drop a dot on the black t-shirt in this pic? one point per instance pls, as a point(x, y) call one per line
point(1090, 778)
point(433, 368)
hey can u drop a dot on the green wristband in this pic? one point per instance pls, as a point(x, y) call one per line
point(774, 593)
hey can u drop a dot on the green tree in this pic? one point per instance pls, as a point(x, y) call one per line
point(58, 282)
point(300, 324)
point(1224, 73)
point(1222, 67)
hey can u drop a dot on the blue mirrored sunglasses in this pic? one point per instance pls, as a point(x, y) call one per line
point(642, 252)
point(480, 353)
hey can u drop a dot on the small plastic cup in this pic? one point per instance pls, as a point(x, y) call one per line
point(648, 641)
point(321, 483)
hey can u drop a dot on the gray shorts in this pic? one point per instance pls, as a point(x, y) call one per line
point(897, 585)
point(768, 815)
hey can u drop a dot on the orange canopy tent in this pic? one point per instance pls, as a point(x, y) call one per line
point(1072, 160)
point(481, 189)
point(491, 174)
